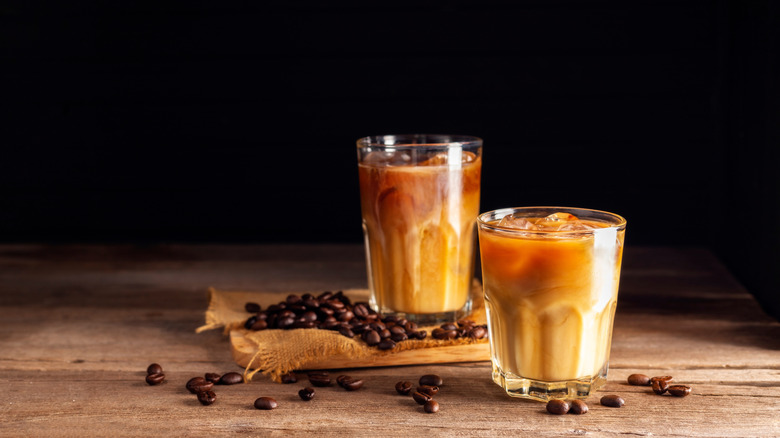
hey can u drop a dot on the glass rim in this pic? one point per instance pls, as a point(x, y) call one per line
point(615, 221)
point(432, 141)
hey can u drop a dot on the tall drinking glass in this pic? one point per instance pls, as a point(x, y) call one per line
point(420, 199)
point(550, 278)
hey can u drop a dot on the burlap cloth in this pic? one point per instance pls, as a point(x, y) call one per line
point(281, 351)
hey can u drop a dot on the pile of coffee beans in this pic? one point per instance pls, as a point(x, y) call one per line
point(154, 374)
point(429, 385)
point(464, 328)
point(202, 386)
point(660, 384)
point(335, 311)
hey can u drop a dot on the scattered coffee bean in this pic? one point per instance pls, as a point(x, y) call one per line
point(265, 403)
point(428, 389)
point(154, 368)
point(289, 378)
point(198, 384)
point(421, 397)
point(578, 407)
point(431, 406)
point(638, 380)
point(660, 386)
point(212, 377)
point(664, 378)
point(231, 378)
point(679, 390)
point(319, 378)
point(306, 394)
point(431, 380)
point(349, 383)
point(155, 378)
point(557, 407)
point(403, 387)
point(612, 401)
point(206, 397)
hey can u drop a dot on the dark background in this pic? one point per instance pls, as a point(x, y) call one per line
point(234, 121)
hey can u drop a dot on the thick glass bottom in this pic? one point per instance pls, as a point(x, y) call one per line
point(428, 319)
point(517, 386)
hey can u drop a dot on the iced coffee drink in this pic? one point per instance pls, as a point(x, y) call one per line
point(550, 279)
point(420, 199)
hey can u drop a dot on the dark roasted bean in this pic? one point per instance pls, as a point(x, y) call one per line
point(345, 331)
point(207, 397)
point(349, 383)
point(155, 378)
point(252, 307)
point(285, 322)
point(360, 310)
point(212, 377)
point(431, 380)
point(293, 299)
point(390, 318)
point(421, 397)
point(306, 394)
point(250, 322)
point(428, 389)
point(154, 368)
point(660, 386)
point(231, 378)
point(431, 406)
point(397, 329)
point(557, 407)
point(679, 390)
point(265, 403)
point(198, 384)
point(578, 407)
point(260, 324)
point(386, 344)
point(421, 334)
point(449, 326)
point(346, 316)
point(289, 378)
point(311, 303)
point(371, 337)
point(638, 380)
point(477, 332)
point(384, 334)
point(399, 337)
point(612, 401)
point(403, 387)
point(319, 378)
point(309, 316)
point(410, 327)
point(325, 296)
point(666, 379)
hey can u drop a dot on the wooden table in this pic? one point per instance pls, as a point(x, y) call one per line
point(80, 324)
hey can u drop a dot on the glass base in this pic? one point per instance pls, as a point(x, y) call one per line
point(517, 386)
point(429, 319)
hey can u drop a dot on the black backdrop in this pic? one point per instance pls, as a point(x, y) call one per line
point(235, 121)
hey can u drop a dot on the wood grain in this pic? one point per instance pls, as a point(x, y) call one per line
point(79, 325)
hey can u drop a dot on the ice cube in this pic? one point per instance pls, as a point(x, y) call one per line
point(387, 158)
point(562, 222)
point(518, 223)
point(443, 158)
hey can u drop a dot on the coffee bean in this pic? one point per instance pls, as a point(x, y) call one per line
point(386, 344)
point(319, 378)
point(212, 377)
point(638, 380)
point(679, 390)
point(306, 394)
point(260, 324)
point(431, 406)
point(660, 386)
point(345, 331)
point(431, 380)
point(231, 378)
point(265, 403)
point(371, 337)
point(252, 307)
point(154, 368)
point(578, 407)
point(421, 397)
point(399, 337)
point(612, 401)
point(289, 378)
point(155, 378)
point(477, 332)
point(557, 407)
point(428, 389)
point(403, 387)
point(667, 379)
point(207, 397)
point(198, 384)
point(349, 383)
